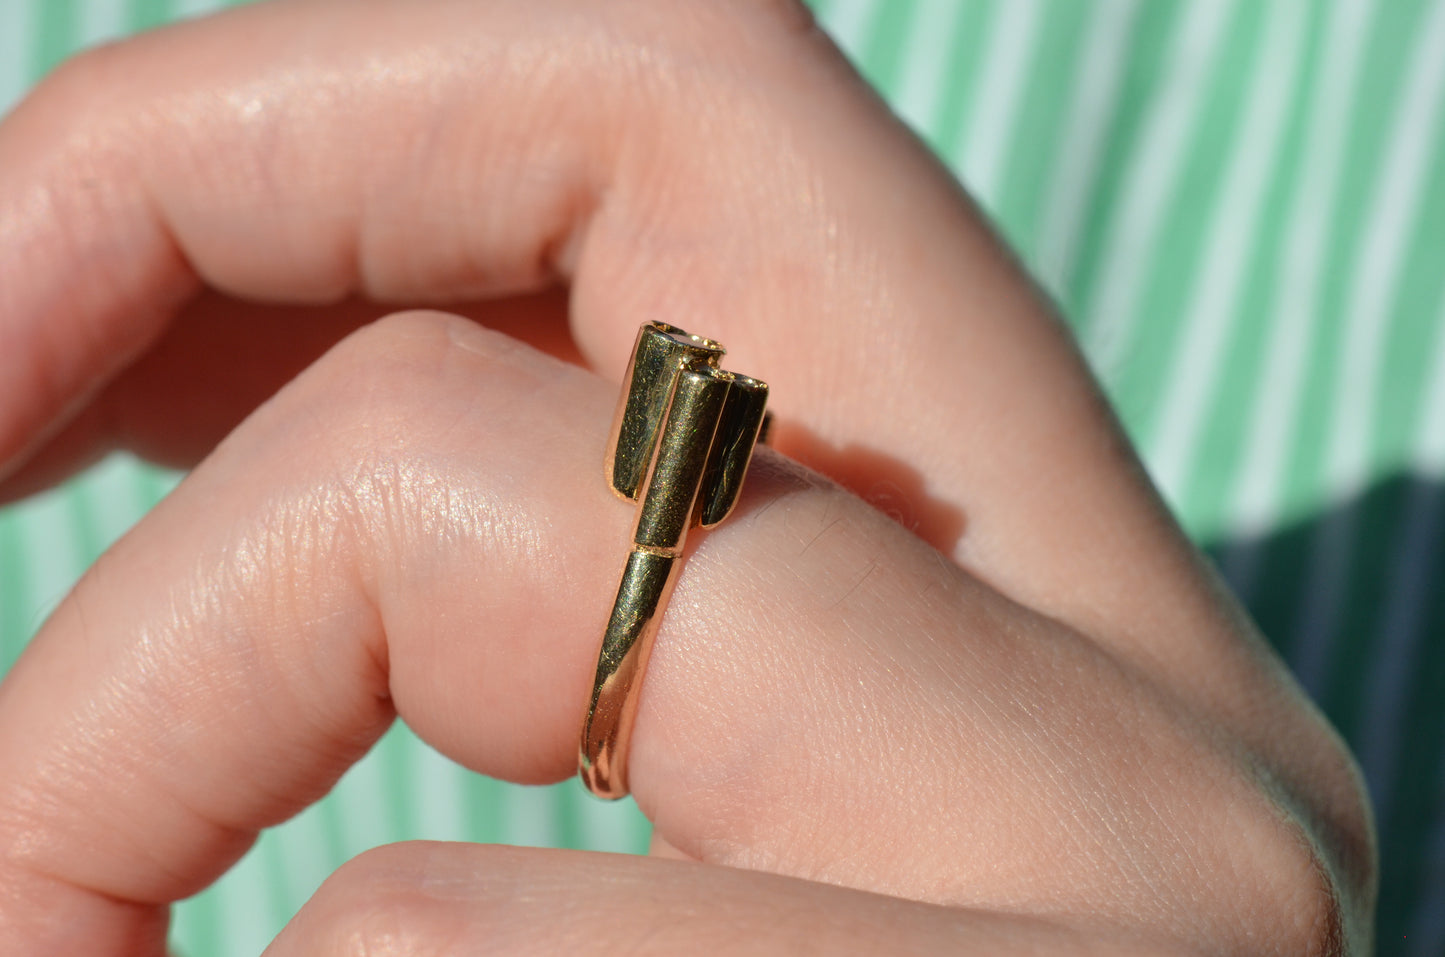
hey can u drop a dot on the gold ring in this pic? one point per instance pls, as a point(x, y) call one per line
point(681, 442)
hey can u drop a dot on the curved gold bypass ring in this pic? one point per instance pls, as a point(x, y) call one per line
point(681, 442)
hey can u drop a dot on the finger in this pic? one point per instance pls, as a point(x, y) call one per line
point(453, 898)
point(714, 165)
point(418, 524)
point(221, 358)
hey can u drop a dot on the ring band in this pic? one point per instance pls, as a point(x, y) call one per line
point(680, 445)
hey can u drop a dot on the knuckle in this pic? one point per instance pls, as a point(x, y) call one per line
point(1300, 900)
point(382, 417)
point(404, 345)
point(78, 130)
point(381, 381)
point(781, 16)
point(87, 114)
point(720, 40)
point(780, 30)
point(1233, 855)
point(345, 451)
point(1283, 896)
point(398, 337)
point(84, 81)
point(377, 905)
point(395, 388)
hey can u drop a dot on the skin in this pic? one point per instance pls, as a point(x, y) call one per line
point(1006, 711)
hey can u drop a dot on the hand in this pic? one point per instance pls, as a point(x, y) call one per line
point(1017, 716)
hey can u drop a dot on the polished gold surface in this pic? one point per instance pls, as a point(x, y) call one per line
point(681, 441)
point(658, 354)
point(740, 428)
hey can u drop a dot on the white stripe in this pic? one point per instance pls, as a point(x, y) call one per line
point(929, 43)
point(1007, 60)
point(111, 503)
point(11, 643)
point(1095, 85)
point(304, 858)
point(361, 801)
point(848, 23)
point(530, 815)
point(1294, 301)
point(244, 900)
point(437, 810)
point(17, 35)
point(1427, 934)
point(1152, 175)
point(98, 21)
point(1384, 243)
point(1429, 457)
point(155, 483)
point(1372, 291)
point(181, 9)
point(607, 826)
point(140, 489)
point(49, 538)
point(1194, 369)
point(1394, 657)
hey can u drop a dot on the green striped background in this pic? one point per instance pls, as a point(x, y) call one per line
point(1240, 206)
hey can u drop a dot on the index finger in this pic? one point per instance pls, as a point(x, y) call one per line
point(714, 165)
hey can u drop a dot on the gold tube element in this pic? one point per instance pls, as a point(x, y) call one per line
point(647, 581)
point(658, 355)
point(669, 506)
point(739, 427)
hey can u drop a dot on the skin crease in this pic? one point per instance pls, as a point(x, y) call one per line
point(1029, 722)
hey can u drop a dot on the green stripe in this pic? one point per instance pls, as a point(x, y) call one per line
point(196, 923)
point(881, 56)
point(484, 795)
point(82, 500)
point(567, 822)
point(1413, 323)
point(55, 35)
point(1035, 149)
point(15, 590)
point(1143, 76)
point(398, 756)
point(145, 14)
point(822, 9)
point(1351, 639)
point(1305, 479)
point(156, 483)
point(281, 885)
point(1186, 223)
point(1032, 157)
point(1207, 498)
point(945, 135)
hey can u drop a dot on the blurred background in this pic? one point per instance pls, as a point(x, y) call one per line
point(1239, 206)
